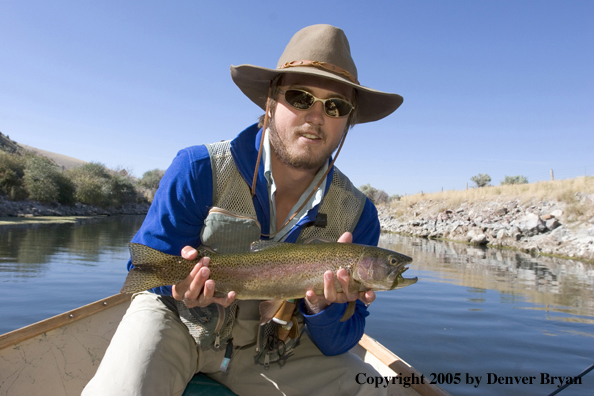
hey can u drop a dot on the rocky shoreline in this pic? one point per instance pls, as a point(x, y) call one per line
point(31, 209)
point(538, 227)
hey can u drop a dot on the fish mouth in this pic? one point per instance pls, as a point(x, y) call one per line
point(400, 281)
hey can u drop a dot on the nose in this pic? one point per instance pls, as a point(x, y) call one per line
point(315, 114)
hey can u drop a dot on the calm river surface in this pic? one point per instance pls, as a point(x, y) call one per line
point(474, 311)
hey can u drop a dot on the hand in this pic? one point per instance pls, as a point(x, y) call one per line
point(315, 304)
point(197, 290)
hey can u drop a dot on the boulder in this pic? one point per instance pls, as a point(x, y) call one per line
point(501, 212)
point(531, 224)
point(480, 239)
point(551, 224)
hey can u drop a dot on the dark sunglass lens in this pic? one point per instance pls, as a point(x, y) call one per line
point(299, 99)
point(338, 108)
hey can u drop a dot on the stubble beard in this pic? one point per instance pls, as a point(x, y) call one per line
point(309, 161)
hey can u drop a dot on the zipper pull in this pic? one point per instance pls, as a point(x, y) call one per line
point(227, 358)
point(267, 361)
point(217, 342)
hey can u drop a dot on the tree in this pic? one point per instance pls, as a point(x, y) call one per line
point(481, 180)
point(376, 196)
point(515, 180)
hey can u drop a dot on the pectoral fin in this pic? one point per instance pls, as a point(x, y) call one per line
point(350, 310)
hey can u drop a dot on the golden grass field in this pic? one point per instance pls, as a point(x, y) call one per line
point(559, 190)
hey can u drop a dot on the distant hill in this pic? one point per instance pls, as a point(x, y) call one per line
point(66, 162)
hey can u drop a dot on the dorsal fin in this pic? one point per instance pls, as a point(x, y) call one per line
point(206, 251)
point(257, 246)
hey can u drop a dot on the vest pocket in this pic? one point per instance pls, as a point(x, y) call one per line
point(228, 232)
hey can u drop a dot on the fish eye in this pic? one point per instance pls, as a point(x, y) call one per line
point(393, 261)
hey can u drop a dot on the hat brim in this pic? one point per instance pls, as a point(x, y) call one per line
point(372, 105)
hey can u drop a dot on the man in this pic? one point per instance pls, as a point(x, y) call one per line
point(274, 181)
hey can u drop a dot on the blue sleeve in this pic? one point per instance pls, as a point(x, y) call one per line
point(179, 207)
point(332, 336)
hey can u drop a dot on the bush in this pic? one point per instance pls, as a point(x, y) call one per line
point(121, 190)
point(43, 180)
point(150, 182)
point(395, 197)
point(12, 170)
point(97, 186)
point(481, 180)
point(150, 179)
point(376, 196)
point(91, 181)
point(515, 180)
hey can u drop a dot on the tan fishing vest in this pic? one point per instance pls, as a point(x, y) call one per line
point(232, 225)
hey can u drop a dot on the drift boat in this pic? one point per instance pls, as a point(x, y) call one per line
point(59, 355)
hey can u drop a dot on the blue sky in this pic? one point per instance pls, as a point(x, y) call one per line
point(496, 87)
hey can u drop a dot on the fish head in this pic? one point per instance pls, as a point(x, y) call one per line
point(381, 269)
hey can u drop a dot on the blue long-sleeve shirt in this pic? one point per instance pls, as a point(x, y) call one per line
point(184, 198)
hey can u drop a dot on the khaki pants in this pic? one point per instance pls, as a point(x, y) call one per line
point(152, 353)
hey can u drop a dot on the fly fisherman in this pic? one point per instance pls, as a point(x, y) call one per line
point(276, 181)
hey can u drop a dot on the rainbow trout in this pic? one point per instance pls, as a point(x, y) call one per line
point(274, 270)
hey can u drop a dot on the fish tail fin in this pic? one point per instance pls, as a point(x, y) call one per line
point(145, 277)
point(152, 268)
point(142, 255)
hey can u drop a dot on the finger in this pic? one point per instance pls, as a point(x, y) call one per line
point(179, 290)
point(329, 288)
point(367, 297)
point(204, 294)
point(195, 287)
point(311, 297)
point(343, 280)
point(347, 237)
point(225, 301)
point(189, 253)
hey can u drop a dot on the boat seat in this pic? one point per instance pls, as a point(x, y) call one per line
point(202, 385)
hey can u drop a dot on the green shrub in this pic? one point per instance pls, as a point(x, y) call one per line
point(150, 179)
point(121, 190)
point(44, 181)
point(376, 196)
point(514, 180)
point(149, 182)
point(481, 180)
point(97, 186)
point(12, 170)
point(90, 181)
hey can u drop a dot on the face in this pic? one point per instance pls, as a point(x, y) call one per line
point(305, 139)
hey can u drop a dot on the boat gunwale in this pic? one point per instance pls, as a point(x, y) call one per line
point(35, 329)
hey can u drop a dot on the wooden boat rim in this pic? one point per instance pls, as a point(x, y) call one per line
point(60, 320)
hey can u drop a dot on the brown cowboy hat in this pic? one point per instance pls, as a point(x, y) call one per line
point(317, 50)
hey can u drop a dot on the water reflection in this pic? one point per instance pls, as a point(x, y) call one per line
point(28, 251)
point(554, 285)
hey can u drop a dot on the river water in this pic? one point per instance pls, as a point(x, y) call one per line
point(474, 312)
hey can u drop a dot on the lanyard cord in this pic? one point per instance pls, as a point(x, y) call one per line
point(313, 191)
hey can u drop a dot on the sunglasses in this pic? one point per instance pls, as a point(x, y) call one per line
point(302, 100)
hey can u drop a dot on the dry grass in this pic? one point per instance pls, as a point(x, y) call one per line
point(559, 190)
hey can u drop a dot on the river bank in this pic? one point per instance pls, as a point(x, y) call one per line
point(18, 212)
point(556, 227)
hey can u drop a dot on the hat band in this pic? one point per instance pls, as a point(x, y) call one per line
point(321, 65)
